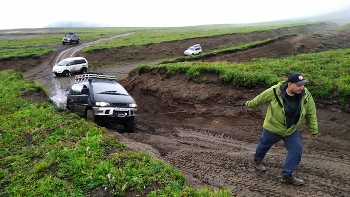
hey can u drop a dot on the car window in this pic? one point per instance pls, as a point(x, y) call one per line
point(191, 48)
point(103, 87)
point(69, 35)
point(76, 89)
point(62, 63)
point(80, 61)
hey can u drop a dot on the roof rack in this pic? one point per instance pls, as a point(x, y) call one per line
point(84, 77)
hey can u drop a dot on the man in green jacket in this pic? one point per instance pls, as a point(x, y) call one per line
point(288, 104)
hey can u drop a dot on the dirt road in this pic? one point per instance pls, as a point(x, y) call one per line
point(193, 126)
point(58, 86)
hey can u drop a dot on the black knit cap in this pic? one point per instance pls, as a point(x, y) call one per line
point(297, 78)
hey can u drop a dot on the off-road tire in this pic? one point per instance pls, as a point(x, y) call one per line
point(83, 70)
point(129, 125)
point(66, 73)
point(90, 115)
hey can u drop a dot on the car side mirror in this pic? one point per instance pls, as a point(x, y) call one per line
point(85, 91)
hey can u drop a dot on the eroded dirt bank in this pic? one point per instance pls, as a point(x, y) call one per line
point(194, 126)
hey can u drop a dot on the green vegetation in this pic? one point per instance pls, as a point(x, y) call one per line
point(328, 72)
point(37, 46)
point(47, 151)
point(150, 36)
point(230, 49)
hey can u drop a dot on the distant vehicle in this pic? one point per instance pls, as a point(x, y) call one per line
point(71, 65)
point(194, 50)
point(71, 38)
point(101, 99)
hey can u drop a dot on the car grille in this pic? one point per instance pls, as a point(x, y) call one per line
point(120, 104)
point(121, 113)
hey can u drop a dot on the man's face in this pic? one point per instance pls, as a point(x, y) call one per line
point(295, 88)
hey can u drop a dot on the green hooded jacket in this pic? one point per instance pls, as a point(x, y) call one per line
point(275, 119)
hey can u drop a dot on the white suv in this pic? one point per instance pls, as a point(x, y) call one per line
point(194, 50)
point(70, 65)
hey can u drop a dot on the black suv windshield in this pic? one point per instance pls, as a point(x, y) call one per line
point(109, 88)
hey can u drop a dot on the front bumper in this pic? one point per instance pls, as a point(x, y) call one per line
point(57, 71)
point(118, 112)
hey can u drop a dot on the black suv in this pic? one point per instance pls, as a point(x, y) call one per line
point(101, 99)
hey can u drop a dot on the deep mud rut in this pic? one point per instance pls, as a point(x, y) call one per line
point(213, 143)
point(195, 127)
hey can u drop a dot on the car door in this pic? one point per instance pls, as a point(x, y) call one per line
point(72, 66)
point(72, 99)
point(82, 99)
point(197, 50)
point(77, 101)
point(78, 65)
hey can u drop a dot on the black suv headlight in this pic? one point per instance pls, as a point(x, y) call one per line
point(133, 105)
point(103, 104)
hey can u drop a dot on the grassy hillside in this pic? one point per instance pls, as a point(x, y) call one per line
point(39, 45)
point(328, 72)
point(47, 151)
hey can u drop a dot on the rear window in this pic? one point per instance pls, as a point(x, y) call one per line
point(80, 61)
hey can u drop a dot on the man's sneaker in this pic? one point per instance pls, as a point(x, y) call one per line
point(258, 164)
point(285, 178)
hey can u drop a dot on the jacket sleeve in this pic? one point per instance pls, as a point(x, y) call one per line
point(263, 98)
point(310, 116)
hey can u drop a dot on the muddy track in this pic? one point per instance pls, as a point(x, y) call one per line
point(211, 142)
point(213, 145)
point(58, 86)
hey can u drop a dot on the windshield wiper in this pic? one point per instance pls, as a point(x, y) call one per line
point(111, 92)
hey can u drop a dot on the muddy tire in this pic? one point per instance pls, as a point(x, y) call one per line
point(90, 115)
point(83, 70)
point(129, 125)
point(66, 73)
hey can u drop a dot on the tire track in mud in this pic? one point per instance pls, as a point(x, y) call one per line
point(217, 160)
point(58, 86)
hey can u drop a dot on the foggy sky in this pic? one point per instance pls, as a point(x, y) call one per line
point(158, 13)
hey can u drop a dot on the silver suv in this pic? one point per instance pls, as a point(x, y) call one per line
point(71, 38)
point(71, 65)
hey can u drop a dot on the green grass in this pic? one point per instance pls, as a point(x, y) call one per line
point(148, 36)
point(328, 72)
point(48, 151)
point(37, 46)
